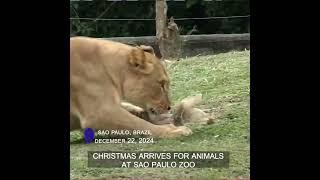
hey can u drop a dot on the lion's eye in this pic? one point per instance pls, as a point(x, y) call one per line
point(161, 85)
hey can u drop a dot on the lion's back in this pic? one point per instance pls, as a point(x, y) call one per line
point(94, 44)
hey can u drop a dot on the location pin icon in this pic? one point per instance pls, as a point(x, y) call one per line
point(88, 135)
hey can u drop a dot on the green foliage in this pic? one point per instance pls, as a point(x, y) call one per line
point(146, 10)
point(190, 3)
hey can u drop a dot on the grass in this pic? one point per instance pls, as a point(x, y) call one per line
point(223, 80)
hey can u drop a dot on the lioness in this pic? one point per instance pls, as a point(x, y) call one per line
point(103, 73)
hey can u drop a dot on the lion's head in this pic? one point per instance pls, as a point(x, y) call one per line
point(147, 82)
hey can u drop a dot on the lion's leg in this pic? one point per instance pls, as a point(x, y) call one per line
point(74, 122)
point(138, 111)
point(131, 108)
point(164, 121)
point(118, 118)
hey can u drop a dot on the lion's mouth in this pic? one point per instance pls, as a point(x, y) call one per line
point(155, 111)
point(155, 115)
point(152, 110)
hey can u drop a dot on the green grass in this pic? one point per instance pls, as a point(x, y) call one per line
point(223, 80)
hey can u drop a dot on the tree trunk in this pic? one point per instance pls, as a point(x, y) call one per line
point(168, 37)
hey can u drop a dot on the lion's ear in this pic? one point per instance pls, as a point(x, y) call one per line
point(148, 49)
point(139, 63)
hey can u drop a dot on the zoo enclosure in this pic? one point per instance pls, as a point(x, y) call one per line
point(193, 45)
point(192, 42)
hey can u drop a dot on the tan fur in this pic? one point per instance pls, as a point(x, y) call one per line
point(158, 119)
point(132, 108)
point(148, 49)
point(104, 73)
point(184, 112)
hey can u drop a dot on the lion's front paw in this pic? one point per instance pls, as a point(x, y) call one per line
point(132, 108)
point(172, 131)
point(182, 130)
point(137, 110)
